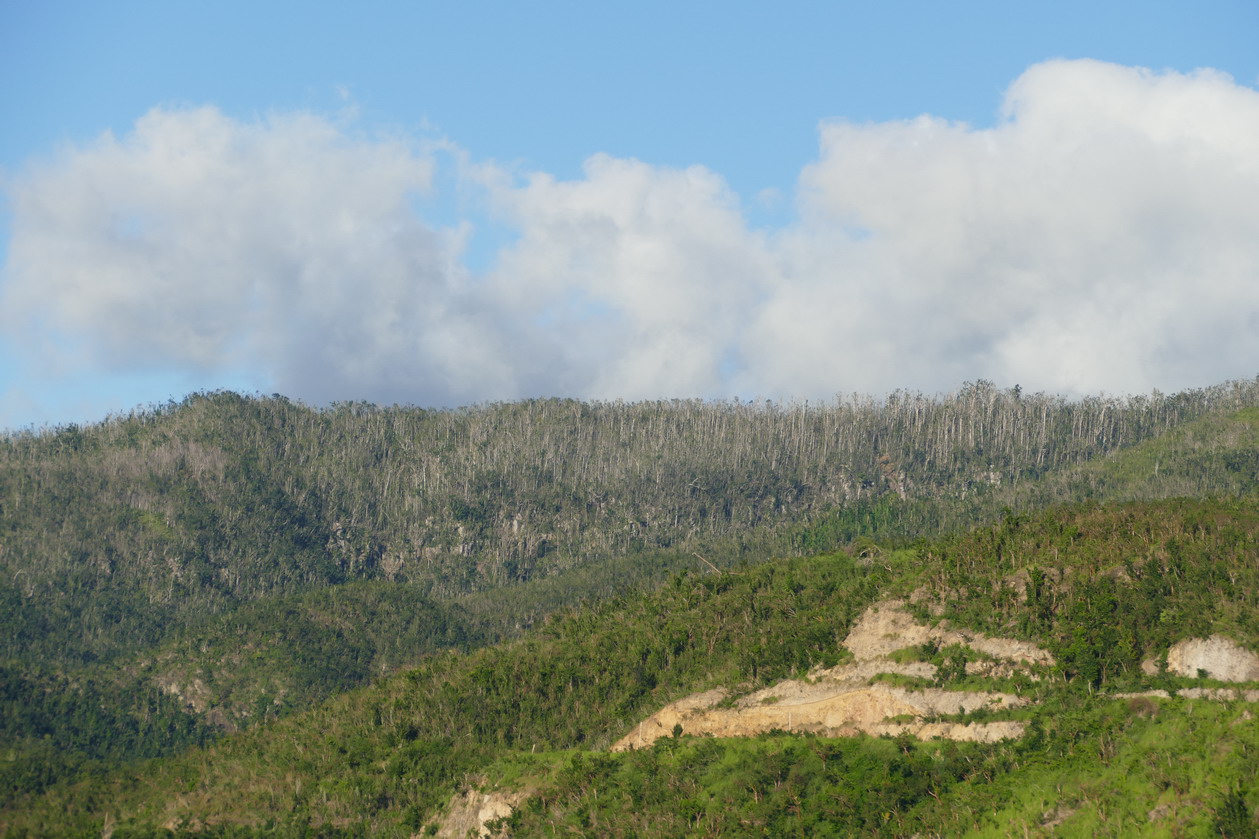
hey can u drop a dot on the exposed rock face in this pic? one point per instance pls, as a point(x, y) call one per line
point(842, 702)
point(193, 693)
point(887, 626)
point(832, 709)
point(1221, 659)
point(470, 812)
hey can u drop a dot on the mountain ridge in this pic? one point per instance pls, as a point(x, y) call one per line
point(195, 484)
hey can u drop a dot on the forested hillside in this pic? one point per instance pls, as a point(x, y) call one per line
point(1099, 587)
point(202, 567)
point(116, 534)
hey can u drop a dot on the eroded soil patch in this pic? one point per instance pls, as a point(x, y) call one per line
point(841, 701)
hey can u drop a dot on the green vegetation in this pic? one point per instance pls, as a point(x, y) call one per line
point(538, 713)
point(397, 749)
point(53, 728)
point(1106, 771)
point(769, 786)
point(274, 655)
point(1109, 585)
point(240, 616)
point(147, 523)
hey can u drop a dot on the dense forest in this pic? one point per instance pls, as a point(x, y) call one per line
point(544, 573)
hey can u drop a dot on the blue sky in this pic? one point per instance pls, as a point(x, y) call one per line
point(618, 200)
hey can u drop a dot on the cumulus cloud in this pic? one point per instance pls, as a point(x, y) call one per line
point(1101, 236)
point(638, 280)
point(203, 242)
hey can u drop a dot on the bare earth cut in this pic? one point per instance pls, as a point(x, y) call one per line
point(841, 701)
point(849, 700)
point(470, 812)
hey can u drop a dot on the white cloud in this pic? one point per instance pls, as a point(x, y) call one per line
point(203, 242)
point(636, 279)
point(1103, 235)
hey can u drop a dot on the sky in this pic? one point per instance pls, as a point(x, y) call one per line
point(448, 203)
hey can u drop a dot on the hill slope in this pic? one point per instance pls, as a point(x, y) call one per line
point(1101, 588)
point(234, 559)
point(117, 535)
